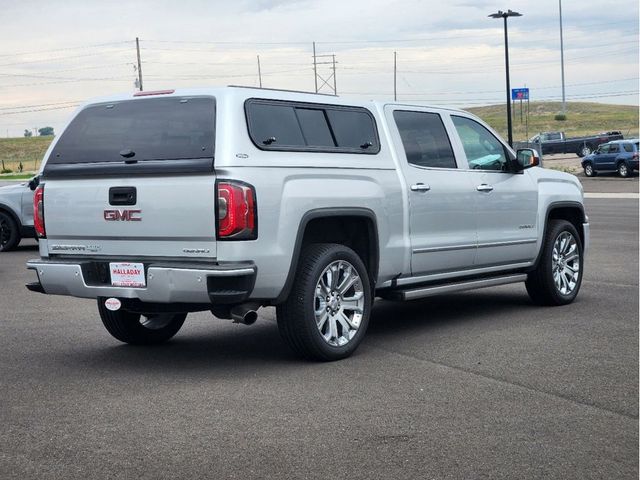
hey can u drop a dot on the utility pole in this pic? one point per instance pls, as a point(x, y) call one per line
point(259, 72)
point(335, 89)
point(139, 64)
point(564, 100)
point(329, 60)
point(315, 67)
point(395, 73)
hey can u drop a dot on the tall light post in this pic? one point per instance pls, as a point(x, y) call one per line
point(564, 99)
point(505, 15)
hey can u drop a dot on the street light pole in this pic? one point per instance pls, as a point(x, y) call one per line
point(564, 99)
point(505, 15)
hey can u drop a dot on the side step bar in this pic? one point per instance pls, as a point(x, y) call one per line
point(428, 291)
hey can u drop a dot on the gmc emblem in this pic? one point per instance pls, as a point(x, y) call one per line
point(122, 215)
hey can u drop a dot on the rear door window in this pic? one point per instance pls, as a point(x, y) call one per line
point(425, 139)
point(614, 148)
point(171, 128)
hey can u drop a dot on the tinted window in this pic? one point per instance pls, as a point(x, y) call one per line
point(314, 127)
point(628, 147)
point(615, 148)
point(352, 129)
point(275, 125)
point(483, 150)
point(150, 128)
point(425, 139)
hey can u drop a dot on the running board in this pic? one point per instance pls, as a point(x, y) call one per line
point(421, 292)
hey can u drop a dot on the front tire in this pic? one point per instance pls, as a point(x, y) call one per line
point(9, 233)
point(558, 276)
point(623, 170)
point(327, 312)
point(588, 170)
point(137, 329)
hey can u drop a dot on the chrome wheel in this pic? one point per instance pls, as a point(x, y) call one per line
point(623, 170)
point(565, 263)
point(339, 303)
point(156, 321)
point(588, 170)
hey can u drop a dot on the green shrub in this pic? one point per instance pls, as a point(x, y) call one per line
point(6, 170)
point(560, 117)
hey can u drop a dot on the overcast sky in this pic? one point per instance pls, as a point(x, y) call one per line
point(56, 53)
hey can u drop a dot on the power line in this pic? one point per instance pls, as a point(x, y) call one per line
point(38, 110)
point(35, 52)
point(76, 102)
point(52, 60)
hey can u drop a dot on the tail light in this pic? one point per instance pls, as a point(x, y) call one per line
point(237, 217)
point(635, 156)
point(38, 211)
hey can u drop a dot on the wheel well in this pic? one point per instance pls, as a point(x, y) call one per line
point(356, 232)
point(574, 215)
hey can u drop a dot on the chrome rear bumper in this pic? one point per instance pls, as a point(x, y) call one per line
point(165, 284)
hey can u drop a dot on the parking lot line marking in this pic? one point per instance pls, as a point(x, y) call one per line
point(612, 195)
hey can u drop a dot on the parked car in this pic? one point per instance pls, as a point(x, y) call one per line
point(619, 156)
point(557, 142)
point(16, 213)
point(229, 199)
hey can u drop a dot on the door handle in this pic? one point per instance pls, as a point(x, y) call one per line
point(420, 187)
point(484, 188)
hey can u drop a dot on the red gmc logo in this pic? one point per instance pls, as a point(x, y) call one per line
point(122, 215)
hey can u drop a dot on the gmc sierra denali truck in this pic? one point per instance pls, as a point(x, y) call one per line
point(158, 204)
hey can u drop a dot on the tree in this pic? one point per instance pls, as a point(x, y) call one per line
point(28, 133)
point(45, 131)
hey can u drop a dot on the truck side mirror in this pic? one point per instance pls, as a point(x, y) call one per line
point(526, 158)
point(34, 182)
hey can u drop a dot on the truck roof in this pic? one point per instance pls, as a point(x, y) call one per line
point(246, 92)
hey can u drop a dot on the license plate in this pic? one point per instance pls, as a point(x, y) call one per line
point(127, 274)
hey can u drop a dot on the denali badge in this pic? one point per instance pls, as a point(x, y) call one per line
point(122, 215)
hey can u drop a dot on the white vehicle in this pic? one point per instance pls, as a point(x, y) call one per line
point(162, 203)
point(16, 213)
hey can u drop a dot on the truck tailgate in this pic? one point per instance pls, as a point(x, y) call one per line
point(171, 217)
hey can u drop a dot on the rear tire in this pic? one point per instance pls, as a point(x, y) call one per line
point(9, 233)
point(137, 329)
point(327, 311)
point(584, 151)
point(558, 276)
point(623, 170)
point(588, 170)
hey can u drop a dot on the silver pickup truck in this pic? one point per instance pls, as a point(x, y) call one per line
point(158, 204)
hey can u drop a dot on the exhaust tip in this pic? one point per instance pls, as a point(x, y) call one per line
point(250, 317)
point(245, 313)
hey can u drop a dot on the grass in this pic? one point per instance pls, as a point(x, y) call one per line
point(20, 176)
point(582, 118)
point(28, 150)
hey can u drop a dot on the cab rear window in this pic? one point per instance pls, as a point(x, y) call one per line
point(171, 128)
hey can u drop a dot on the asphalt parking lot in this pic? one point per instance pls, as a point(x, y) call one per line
point(474, 385)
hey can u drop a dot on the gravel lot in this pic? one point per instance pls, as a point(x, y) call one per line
point(474, 385)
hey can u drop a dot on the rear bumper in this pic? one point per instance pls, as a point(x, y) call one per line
point(188, 283)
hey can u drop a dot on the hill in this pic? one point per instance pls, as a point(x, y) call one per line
point(582, 118)
point(28, 150)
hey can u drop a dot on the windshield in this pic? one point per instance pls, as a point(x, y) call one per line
point(169, 128)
